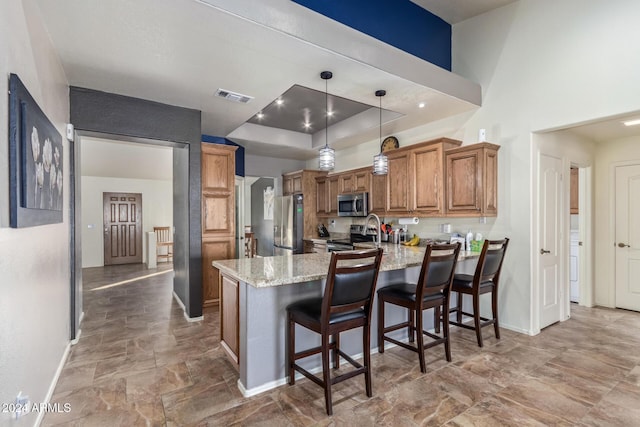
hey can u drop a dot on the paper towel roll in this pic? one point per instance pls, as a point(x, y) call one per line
point(413, 220)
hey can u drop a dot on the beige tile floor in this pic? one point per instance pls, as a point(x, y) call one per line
point(139, 362)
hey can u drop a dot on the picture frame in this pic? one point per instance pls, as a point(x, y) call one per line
point(36, 162)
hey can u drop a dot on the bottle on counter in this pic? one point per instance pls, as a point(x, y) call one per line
point(468, 239)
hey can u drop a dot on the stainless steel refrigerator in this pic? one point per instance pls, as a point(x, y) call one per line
point(288, 225)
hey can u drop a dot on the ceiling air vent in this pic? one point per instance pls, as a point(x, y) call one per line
point(233, 96)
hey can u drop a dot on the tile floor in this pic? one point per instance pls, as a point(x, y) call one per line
point(139, 362)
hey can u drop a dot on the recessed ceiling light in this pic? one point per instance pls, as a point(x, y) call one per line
point(279, 101)
point(330, 113)
point(633, 122)
point(421, 105)
point(260, 115)
point(307, 125)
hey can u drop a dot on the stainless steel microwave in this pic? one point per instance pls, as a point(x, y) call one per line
point(356, 204)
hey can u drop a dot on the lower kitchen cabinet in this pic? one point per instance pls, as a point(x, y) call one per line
point(230, 317)
point(214, 249)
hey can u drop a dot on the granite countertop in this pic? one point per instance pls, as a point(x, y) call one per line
point(284, 270)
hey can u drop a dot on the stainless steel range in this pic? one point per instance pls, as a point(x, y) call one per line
point(357, 234)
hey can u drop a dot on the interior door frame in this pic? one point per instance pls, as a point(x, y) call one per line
point(240, 211)
point(612, 225)
point(75, 214)
point(586, 232)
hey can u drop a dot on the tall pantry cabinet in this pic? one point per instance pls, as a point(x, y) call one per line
point(218, 214)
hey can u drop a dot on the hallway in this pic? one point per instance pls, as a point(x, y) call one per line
point(139, 362)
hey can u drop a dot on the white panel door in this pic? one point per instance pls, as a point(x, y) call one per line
point(550, 238)
point(628, 237)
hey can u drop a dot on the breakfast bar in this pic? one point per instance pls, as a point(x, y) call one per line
point(254, 294)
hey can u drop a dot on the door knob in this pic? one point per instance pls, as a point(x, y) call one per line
point(622, 245)
point(542, 252)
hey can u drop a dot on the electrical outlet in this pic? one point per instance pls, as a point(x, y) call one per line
point(332, 223)
point(482, 220)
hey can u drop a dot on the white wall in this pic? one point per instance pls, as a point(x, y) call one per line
point(34, 262)
point(608, 155)
point(157, 210)
point(542, 65)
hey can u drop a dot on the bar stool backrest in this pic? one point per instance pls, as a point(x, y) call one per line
point(490, 262)
point(438, 268)
point(350, 283)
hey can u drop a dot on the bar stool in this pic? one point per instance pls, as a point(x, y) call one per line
point(485, 280)
point(431, 291)
point(346, 304)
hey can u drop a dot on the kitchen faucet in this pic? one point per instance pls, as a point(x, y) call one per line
point(378, 224)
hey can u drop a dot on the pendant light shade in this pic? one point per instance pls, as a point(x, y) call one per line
point(380, 161)
point(327, 159)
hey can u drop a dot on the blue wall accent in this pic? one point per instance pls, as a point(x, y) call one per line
point(400, 23)
point(239, 151)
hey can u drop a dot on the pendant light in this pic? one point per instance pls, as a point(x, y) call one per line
point(327, 159)
point(380, 161)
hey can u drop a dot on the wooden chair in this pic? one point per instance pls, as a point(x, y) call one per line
point(164, 243)
point(485, 280)
point(431, 291)
point(250, 245)
point(346, 304)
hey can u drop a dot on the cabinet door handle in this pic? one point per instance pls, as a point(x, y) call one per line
point(542, 252)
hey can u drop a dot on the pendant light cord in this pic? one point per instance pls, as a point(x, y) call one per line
point(326, 113)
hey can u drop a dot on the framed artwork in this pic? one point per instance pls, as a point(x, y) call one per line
point(35, 162)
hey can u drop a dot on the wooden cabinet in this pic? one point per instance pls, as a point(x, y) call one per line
point(333, 187)
point(472, 180)
point(230, 317)
point(415, 182)
point(218, 214)
point(575, 188)
point(428, 177)
point(322, 198)
point(399, 187)
point(354, 181)
point(292, 183)
point(378, 194)
point(327, 190)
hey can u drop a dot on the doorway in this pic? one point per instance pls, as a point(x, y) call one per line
point(122, 227)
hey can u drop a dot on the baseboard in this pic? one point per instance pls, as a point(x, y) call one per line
point(77, 338)
point(184, 310)
point(282, 381)
point(54, 382)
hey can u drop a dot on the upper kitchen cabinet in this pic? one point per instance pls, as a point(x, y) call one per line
point(378, 194)
point(355, 181)
point(428, 176)
point(327, 190)
point(472, 180)
point(218, 214)
point(573, 203)
point(415, 182)
point(399, 188)
point(292, 183)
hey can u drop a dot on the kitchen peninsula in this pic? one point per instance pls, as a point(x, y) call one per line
point(254, 294)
